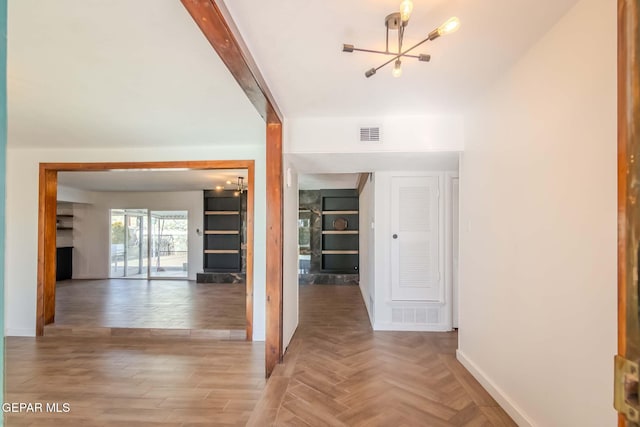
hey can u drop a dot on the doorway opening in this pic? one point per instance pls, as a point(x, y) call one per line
point(112, 240)
point(328, 230)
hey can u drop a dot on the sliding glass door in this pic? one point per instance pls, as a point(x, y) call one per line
point(149, 244)
point(129, 243)
point(169, 249)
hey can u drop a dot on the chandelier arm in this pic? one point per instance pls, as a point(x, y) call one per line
point(433, 35)
point(387, 44)
point(384, 53)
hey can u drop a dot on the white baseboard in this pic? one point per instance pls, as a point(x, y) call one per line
point(367, 302)
point(409, 327)
point(505, 402)
point(19, 332)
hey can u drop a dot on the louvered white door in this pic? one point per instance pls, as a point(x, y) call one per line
point(415, 257)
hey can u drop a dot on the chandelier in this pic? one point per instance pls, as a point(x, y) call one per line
point(398, 21)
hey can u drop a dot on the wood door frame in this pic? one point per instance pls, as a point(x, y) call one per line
point(47, 205)
point(628, 175)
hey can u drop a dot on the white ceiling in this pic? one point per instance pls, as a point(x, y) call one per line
point(123, 73)
point(327, 181)
point(156, 180)
point(297, 44)
point(87, 73)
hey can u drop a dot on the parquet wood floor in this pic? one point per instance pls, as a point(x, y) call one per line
point(134, 382)
point(338, 372)
point(150, 304)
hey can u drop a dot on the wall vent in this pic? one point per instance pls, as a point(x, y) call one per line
point(396, 315)
point(415, 315)
point(370, 134)
point(433, 315)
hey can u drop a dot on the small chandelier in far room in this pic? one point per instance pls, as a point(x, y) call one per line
point(240, 187)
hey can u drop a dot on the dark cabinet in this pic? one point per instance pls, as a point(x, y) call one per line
point(340, 234)
point(64, 263)
point(223, 231)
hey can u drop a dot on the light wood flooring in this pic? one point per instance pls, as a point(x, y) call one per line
point(134, 382)
point(85, 305)
point(338, 372)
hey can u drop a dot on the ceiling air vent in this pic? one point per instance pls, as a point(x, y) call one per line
point(370, 134)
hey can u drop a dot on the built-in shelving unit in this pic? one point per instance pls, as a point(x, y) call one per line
point(64, 241)
point(340, 239)
point(64, 222)
point(340, 232)
point(222, 231)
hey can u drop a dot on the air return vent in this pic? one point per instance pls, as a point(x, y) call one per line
point(415, 315)
point(370, 134)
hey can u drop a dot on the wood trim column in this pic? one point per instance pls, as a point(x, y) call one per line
point(46, 287)
point(250, 282)
point(628, 180)
point(215, 22)
point(273, 353)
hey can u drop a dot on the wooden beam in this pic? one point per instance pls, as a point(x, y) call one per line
point(217, 26)
point(362, 181)
point(628, 177)
point(273, 353)
point(187, 164)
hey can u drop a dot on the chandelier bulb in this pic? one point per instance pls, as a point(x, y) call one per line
point(397, 69)
point(406, 7)
point(450, 26)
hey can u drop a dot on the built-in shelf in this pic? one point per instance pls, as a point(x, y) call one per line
point(340, 220)
point(340, 232)
point(222, 213)
point(64, 228)
point(221, 232)
point(64, 216)
point(339, 212)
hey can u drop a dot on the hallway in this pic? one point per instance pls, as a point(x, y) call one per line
point(339, 372)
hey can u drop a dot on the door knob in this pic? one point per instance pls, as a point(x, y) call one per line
point(395, 236)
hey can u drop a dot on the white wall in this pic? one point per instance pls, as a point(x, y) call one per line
point(383, 303)
point(91, 234)
point(399, 134)
point(367, 246)
point(22, 218)
point(290, 254)
point(538, 228)
point(74, 195)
